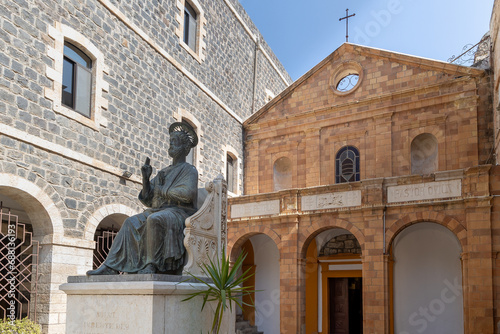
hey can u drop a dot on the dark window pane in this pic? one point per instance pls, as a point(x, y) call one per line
point(192, 34)
point(67, 84)
point(347, 169)
point(347, 165)
point(190, 157)
point(230, 173)
point(186, 27)
point(76, 55)
point(190, 26)
point(83, 88)
point(191, 11)
point(77, 80)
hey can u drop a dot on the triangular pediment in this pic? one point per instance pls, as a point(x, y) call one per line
point(376, 74)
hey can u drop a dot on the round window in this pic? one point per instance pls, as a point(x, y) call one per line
point(348, 82)
point(346, 78)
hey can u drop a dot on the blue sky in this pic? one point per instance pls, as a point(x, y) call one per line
point(303, 32)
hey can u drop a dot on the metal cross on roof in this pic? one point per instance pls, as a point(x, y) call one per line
point(346, 18)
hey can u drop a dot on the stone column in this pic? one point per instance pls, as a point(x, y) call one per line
point(375, 291)
point(478, 266)
point(59, 258)
point(291, 298)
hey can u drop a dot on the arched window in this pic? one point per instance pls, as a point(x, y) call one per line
point(77, 71)
point(191, 28)
point(347, 165)
point(282, 177)
point(424, 154)
point(232, 172)
point(76, 80)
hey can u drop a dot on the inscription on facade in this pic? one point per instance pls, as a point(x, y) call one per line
point(331, 200)
point(424, 191)
point(265, 208)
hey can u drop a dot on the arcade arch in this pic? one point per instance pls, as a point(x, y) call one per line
point(34, 202)
point(102, 227)
point(37, 222)
point(333, 281)
point(263, 256)
point(426, 280)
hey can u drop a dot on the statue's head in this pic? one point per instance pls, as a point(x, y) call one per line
point(182, 139)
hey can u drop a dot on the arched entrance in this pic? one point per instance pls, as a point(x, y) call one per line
point(36, 220)
point(104, 235)
point(102, 227)
point(427, 281)
point(19, 254)
point(333, 275)
point(263, 256)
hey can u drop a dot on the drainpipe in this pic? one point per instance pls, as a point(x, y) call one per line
point(385, 209)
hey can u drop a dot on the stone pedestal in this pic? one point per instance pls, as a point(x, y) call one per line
point(146, 304)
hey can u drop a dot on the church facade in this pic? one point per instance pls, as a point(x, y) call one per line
point(87, 92)
point(370, 199)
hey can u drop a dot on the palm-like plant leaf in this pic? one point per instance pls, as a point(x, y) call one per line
point(226, 286)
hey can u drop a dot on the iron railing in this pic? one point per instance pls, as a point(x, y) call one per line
point(18, 268)
point(103, 244)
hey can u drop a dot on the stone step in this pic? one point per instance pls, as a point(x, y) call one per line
point(248, 331)
point(242, 324)
point(244, 327)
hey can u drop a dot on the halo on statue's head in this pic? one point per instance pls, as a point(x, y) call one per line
point(187, 129)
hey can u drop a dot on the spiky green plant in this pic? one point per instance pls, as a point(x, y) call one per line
point(225, 287)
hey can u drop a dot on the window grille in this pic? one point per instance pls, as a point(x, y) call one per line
point(347, 165)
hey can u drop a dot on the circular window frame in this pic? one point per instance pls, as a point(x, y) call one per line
point(341, 71)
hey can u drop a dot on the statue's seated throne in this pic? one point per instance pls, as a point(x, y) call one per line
point(206, 231)
point(152, 303)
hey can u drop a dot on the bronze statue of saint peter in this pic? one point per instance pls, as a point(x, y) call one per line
point(152, 241)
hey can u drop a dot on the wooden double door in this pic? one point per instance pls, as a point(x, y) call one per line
point(345, 305)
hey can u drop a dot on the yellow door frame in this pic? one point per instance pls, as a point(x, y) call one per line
point(326, 273)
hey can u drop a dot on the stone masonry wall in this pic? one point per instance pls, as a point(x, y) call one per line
point(145, 90)
point(345, 243)
point(230, 51)
point(66, 172)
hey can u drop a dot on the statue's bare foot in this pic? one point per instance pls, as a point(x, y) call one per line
point(149, 269)
point(102, 270)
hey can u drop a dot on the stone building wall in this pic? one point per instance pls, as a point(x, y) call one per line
point(145, 88)
point(64, 170)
